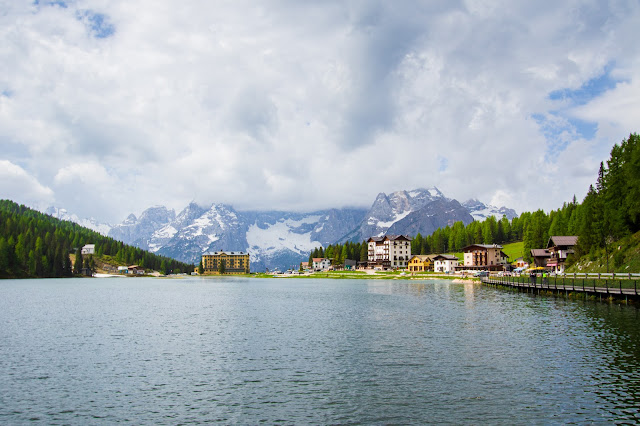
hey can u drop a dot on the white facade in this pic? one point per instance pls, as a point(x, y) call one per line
point(321, 264)
point(445, 264)
point(390, 251)
point(88, 249)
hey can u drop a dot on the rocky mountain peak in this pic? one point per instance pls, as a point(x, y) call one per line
point(481, 211)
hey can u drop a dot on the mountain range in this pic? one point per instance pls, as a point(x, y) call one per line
point(278, 239)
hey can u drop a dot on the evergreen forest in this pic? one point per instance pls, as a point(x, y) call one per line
point(33, 244)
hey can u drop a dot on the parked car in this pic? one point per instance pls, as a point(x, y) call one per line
point(481, 274)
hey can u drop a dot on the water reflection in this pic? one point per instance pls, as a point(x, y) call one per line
point(311, 351)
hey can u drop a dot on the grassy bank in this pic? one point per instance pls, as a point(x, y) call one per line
point(622, 256)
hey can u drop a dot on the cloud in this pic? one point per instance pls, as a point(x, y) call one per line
point(122, 105)
point(18, 185)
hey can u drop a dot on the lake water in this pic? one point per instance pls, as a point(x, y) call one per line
point(298, 351)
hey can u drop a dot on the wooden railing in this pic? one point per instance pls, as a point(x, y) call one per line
point(612, 283)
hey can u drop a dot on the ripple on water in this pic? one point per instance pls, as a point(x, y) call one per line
point(310, 351)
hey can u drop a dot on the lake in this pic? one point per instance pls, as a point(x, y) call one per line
point(310, 351)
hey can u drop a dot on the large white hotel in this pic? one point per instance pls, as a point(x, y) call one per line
point(389, 252)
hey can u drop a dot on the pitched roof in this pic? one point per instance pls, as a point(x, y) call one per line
point(397, 237)
point(446, 257)
point(556, 241)
point(540, 253)
point(388, 237)
point(228, 253)
point(423, 257)
point(484, 246)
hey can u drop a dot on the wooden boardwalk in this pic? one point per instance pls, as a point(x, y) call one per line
point(619, 288)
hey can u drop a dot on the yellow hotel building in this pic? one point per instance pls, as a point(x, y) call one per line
point(235, 262)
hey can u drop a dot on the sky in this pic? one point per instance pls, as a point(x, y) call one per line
point(108, 107)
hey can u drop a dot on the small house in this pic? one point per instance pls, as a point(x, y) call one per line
point(350, 265)
point(540, 257)
point(421, 263)
point(445, 263)
point(560, 247)
point(88, 249)
point(321, 264)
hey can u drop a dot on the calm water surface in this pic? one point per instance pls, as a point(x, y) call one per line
point(293, 351)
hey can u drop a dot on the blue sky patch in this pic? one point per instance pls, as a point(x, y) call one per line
point(586, 129)
point(558, 130)
point(97, 23)
point(588, 91)
point(443, 163)
point(58, 3)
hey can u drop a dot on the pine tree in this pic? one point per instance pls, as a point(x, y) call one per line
point(364, 252)
point(77, 264)
point(4, 257)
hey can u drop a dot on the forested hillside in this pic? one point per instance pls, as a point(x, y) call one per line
point(33, 244)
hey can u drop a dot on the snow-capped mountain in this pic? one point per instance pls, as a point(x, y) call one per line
point(273, 239)
point(409, 212)
point(481, 211)
point(135, 231)
point(90, 223)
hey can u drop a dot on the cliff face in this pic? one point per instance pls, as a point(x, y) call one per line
point(409, 212)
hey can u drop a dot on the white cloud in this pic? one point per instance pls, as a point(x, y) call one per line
point(18, 185)
point(309, 105)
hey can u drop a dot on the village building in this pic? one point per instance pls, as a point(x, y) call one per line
point(445, 263)
point(321, 264)
point(559, 248)
point(540, 257)
point(520, 263)
point(389, 252)
point(136, 269)
point(88, 249)
point(235, 262)
point(421, 263)
point(133, 269)
point(350, 264)
point(484, 256)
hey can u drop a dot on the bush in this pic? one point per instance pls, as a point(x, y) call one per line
point(618, 258)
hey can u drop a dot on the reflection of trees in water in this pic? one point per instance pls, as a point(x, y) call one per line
point(616, 374)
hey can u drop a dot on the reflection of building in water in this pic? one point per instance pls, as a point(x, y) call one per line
point(469, 293)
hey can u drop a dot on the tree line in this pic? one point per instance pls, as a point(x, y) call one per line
point(610, 211)
point(33, 244)
point(338, 253)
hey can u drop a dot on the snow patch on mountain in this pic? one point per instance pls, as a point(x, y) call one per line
point(481, 211)
point(388, 224)
point(279, 237)
point(166, 232)
point(91, 223)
